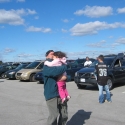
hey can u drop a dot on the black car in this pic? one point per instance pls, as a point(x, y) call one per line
point(4, 68)
point(11, 73)
point(116, 72)
point(39, 77)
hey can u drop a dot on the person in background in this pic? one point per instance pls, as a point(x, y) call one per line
point(58, 113)
point(87, 62)
point(101, 72)
point(59, 58)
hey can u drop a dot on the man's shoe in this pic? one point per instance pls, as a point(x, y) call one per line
point(108, 101)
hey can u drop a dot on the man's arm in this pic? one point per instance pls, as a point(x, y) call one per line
point(54, 71)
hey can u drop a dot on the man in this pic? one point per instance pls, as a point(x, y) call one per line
point(58, 114)
point(87, 62)
point(101, 71)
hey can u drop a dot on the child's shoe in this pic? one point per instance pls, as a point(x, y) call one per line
point(68, 97)
point(63, 100)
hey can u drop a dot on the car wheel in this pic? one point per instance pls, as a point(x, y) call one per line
point(2, 76)
point(110, 83)
point(81, 86)
point(40, 82)
point(32, 78)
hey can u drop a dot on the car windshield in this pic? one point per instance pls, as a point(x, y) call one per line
point(21, 66)
point(107, 61)
point(78, 61)
point(32, 65)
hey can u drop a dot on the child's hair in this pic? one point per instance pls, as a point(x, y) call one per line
point(101, 57)
point(59, 54)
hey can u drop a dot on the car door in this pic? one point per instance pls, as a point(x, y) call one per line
point(117, 70)
point(123, 68)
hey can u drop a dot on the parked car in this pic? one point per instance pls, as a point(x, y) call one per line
point(4, 68)
point(116, 72)
point(29, 72)
point(11, 73)
point(39, 77)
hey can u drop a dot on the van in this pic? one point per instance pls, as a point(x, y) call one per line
point(28, 73)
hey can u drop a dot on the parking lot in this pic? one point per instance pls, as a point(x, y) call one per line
point(23, 103)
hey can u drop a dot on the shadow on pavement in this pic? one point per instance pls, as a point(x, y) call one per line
point(79, 118)
point(1, 81)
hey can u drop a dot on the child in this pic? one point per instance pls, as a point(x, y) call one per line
point(59, 58)
point(101, 71)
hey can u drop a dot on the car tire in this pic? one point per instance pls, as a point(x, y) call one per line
point(2, 76)
point(32, 78)
point(40, 82)
point(110, 83)
point(81, 86)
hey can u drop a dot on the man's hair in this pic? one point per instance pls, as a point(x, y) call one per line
point(59, 54)
point(101, 57)
point(87, 57)
point(47, 53)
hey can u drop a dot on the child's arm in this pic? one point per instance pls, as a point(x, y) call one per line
point(50, 64)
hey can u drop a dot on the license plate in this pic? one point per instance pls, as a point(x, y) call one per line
point(82, 80)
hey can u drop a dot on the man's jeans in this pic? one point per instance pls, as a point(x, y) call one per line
point(101, 95)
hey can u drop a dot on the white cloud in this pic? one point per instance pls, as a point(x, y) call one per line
point(93, 28)
point(91, 54)
point(120, 41)
point(36, 17)
point(2, 1)
point(14, 17)
point(100, 44)
point(95, 11)
point(20, 0)
point(64, 31)
point(24, 55)
point(37, 29)
point(65, 20)
point(8, 50)
point(121, 10)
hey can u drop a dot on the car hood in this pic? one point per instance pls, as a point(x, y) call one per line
point(14, 70)
point(92, 69)
point(28, 70)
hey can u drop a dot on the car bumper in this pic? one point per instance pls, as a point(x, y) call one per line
point(21, 77)
point(10, 76)
point(83, 81)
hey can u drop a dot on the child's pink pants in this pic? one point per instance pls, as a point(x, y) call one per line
point(62, 89)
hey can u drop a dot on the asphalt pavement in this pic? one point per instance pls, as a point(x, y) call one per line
point(23, 103)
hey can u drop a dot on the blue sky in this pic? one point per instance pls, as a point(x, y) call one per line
point(28, 28)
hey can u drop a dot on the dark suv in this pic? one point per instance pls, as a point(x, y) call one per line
point(116, 72)
point(4, 68)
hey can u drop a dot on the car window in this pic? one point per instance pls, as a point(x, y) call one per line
point(117, 63)
point(107, 61)
point(8, 67)
point(32, 65)
point(123, 62)
point(41, 65)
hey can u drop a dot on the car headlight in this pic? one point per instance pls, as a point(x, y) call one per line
point(24, 74)
point(11, 73)
point(76, 73)
point(93, 76)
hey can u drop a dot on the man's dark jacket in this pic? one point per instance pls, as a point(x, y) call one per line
point(50, 75)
